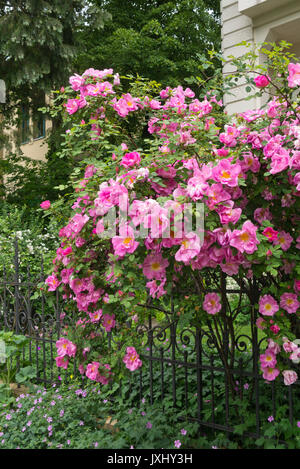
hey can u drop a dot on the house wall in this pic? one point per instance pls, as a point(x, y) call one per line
point(35, 149)
point(256, 21)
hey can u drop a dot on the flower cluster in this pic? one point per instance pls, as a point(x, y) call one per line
point(128, 238)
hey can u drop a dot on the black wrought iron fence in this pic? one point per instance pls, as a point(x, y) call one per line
point(183, 367)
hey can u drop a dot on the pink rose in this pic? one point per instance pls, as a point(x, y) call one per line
point(294, 75)
point(132, 359)
point(268, 306)
point(212, 303)
point(261, 81)
point(289, 377)
point(131, 159)
point(45, 205)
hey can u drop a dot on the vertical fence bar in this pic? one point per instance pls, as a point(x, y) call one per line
point(291, 405)
point(173, 360)
point(5, 318)
point(199, 376)
point(150, 342)
point(43, 328)
point(29, 317)
point(185, 357)
point(212, 389)
point(16, 282)
point(162, 374)
point(254, 295)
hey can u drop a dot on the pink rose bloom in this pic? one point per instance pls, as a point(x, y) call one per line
point(124, 244)
point(190, 247)
point(245, 240)
point(96, 315)
point(275, 329)
point(154, 266)
point(288, 346)
point(131, 159)
point(229, 137)
point(268, 359)
point(65, 347)
point(261, 81)
point(197, 187)
point(212, 303)
point(67, 251)
point(45, 205)
point(280, 160)
point(270, 233)
point(261, 214)
point(273, 346)
point(268, 306)
point(227, 213)
point(72, 106)
point(52, 282)
point(76, 81)
point(62, 362)
point(92, 371)
point(99, 227)
point(250, 162)
point(290, 377)
point(108, 322)
point(270, 373)
point(227, 173)
point(216, 194)
point(289, 302)
point(294, 75)
point(131, 359)
point(297, 285)
point(222, 151)
point(261, 323)
point(284, 239)
point(156, 291)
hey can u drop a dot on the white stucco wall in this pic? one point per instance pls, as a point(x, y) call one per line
point(256, 21)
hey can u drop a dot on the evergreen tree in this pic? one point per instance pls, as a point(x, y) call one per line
point(158, 39)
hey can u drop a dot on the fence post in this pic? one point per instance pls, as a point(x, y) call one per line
point(16, 282)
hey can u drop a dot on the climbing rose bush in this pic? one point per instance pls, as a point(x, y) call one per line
point(125, 248)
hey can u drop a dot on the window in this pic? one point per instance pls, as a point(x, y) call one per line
point(32, 124)
point(38, 118)
point(24, 130)
point(38, 121)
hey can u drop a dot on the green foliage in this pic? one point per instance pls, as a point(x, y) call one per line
point(72, 417)
point(38, 40)
point(35, 237)
point(11, 348)
point(276, 57)
point(159, 40)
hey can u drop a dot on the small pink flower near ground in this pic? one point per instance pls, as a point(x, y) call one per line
point(177, 443)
